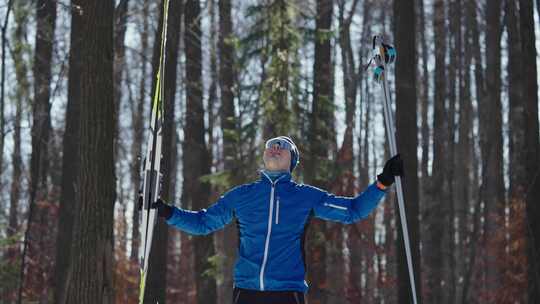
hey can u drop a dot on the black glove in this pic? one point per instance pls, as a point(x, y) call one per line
point(392, 168)
point(163, 209)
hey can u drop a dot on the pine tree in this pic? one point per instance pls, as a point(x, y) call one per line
point(283, 39)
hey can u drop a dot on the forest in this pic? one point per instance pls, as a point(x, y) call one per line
point(78, 82)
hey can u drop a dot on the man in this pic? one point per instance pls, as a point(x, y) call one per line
point(272, 214)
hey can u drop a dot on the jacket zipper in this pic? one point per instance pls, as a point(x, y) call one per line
point(277, 211)
point(267, 242)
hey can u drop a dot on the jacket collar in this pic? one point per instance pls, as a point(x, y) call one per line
point(286, 177)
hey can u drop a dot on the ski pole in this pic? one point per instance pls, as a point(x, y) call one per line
point(384, 56)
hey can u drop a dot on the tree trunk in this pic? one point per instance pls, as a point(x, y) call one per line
point(517, 167)
point(533, 239)
point(12, 253)
point(227, 76)
point(138, 133)
point(425, 104)
point(388, 275)
point(490, 126)
point(90, 276)
point(195, 153)
point(212, 89)
point(407, 142)
point(368, 249)
point(435, 210)
point(344, 180)
point(157, 281)
point(2, 86)
point(70, 160)
point(120, 222)
point(360, 239)
point(275, 91)
point(424, 101)
point(517, 111)
point(530, 90)
point(120, 26)
point(454, 77)
point(22, 96)
point(463, 161)
point(469, 282)
point(41, 127)
point(320, 138)
point(174, 274)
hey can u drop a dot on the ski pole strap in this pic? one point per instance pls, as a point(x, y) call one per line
point(383, 50)
point(378, 73)
point(384, 54)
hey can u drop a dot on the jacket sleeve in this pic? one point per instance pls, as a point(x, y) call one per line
point(348, 210)
point(205, 221)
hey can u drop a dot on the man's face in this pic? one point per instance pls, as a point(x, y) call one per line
point(276, 158)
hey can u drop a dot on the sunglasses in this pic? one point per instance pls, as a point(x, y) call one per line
point(282, 144)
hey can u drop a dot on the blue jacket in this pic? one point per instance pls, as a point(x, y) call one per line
point(271, 219)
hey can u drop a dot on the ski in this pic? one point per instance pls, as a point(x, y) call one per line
point(151, 173)
point(384, 55)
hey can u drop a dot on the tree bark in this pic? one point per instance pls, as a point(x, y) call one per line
point(120, 27)
point(21, 12)
point(2, 86)
point(70, 159)
point(41, 128)
point(276, 89)
point(320, 138)
point(212, 89)
point(490, 126)
point(22, 96)
point(138, 133)
point(424, 100)
point(360, 241)
point(533, 239)
point(435, 210)
point(15, 196)
point(474, 220)
point(517, 167)
point(227, 76)
point(344, 180)
point(454, 87)
point(90, 278)
point(407, 142)
point(464, 159)
point(517, 112)
point(195, 152)
point(174, 258)
point(531, 91)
